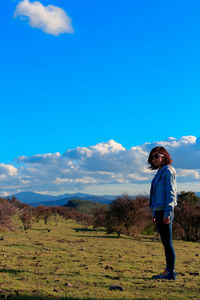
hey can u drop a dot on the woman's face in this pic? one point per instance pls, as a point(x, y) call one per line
point(157, 159)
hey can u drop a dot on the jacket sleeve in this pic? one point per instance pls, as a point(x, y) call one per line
point(150, 199)
point(170, 192)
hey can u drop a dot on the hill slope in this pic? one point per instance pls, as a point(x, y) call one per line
point(82, 206)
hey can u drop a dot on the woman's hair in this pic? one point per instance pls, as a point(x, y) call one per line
point(166, 160)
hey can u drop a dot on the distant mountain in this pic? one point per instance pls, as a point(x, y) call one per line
point(36, 199)
point(27, 197)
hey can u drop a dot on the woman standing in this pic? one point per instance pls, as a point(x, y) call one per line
point(162, 201)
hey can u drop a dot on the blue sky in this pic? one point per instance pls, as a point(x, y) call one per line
point(128, 72)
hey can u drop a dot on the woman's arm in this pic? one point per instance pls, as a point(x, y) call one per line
point(170, 192)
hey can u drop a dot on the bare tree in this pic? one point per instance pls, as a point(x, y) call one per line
point(7, 210)
point(99, 217)
point(127, 215)
point(26, 215)
point(187, 217)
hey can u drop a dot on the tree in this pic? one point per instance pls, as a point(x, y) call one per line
point(67, 213)
point(7, 210)
point(43, 212)
point(26, 217)
point(189, 197)
point(99, 217)
point(127, 215)
point(187, 217)
point(16, 203)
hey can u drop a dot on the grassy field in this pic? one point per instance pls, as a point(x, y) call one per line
point(70, 262)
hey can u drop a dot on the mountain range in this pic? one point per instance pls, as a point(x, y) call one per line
point(37, 199)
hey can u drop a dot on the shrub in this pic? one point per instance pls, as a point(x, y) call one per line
point(67, 213)
point(187, 217)
point(7, 210)
point(43, 212)
point(127, 215)
point(99, 217)
point(26, 217)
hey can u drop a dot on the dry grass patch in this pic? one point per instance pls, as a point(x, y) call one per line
point(68, 262)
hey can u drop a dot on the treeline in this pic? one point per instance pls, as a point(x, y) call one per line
point(125, 215)
point(84, 206)
point(133, 216)
point(27, 214)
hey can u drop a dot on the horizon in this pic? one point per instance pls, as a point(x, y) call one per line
point(94, 194)
point(182, 188)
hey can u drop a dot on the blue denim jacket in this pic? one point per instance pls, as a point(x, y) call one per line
point(163, 190)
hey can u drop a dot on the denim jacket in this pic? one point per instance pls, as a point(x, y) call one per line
point(163, 191)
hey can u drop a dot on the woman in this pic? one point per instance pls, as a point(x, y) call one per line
point(162, 201)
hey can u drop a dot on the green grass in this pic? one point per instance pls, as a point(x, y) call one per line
point(84, 206)
point(72, 263)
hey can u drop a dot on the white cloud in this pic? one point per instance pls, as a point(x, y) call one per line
point(104, 164)
point(99, 149)
point(188, 174)
point(8, 170)
point(51, 19)
point(40, 158)
point(185, 151)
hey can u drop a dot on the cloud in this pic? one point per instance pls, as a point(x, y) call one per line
point(185, 151)
point(188, 174)
point(100, 165)
point(9, 177)
point(40, 158)
point(99, 149)
point(51, 19)
point(7, 170)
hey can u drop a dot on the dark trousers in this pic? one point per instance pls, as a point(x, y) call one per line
point(165, 232)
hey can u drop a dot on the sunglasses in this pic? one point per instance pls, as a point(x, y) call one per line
point(156, 156)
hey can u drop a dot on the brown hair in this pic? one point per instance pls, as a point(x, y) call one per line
point(166, 161)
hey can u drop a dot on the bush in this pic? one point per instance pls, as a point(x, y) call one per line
point(7, 210)
point(99, 217)
point(128, 215)
point(43, 212)
point(187, 217)
point(26, 217)
point(67, 213)
point(149, 229)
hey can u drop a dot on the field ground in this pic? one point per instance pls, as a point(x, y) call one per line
point(70, 262)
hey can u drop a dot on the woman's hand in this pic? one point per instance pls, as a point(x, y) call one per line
point(166, 220)
point(154, 220)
